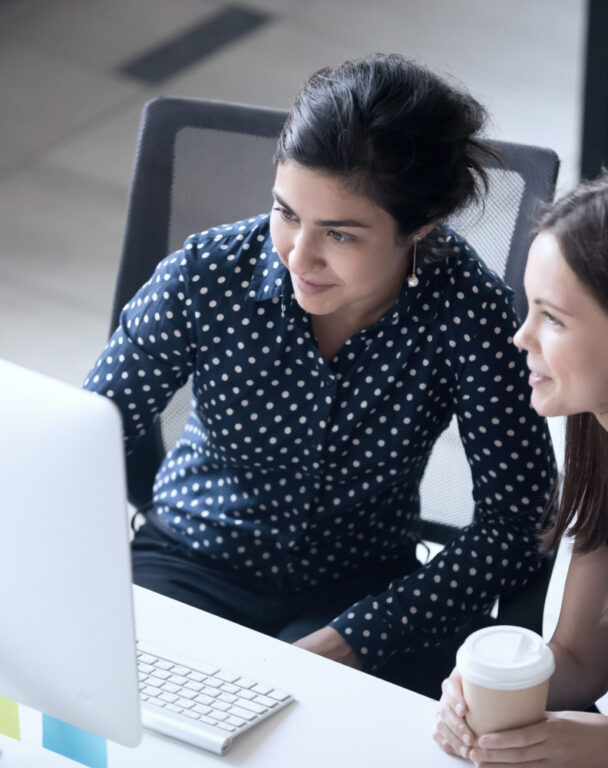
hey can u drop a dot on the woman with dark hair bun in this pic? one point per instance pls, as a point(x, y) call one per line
point(566, 338)
point(330, 342)
point(399, 134)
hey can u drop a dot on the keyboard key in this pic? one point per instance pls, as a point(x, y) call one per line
point(196, 676)
point(145, 658)
point(200, 709)
point(144, 669)
point(161, 674)
point(192, 686)
point(227, 697)
point(208, 719)
point(170, 687)
point(278, 695)
point(261, 689)
point(202, 699)
point(252, 706)
point(236, 721)
point(213, 682)
point(242, 713)
point(244, 682)
point(184, 703)
point(265, 701)
point(245, 694)
point(226, 727)
point(206, 669)
point(168, 697)
point(162, 664)
point(227, 677)
point(178, 679)
point(221, 705)
point(229, 688)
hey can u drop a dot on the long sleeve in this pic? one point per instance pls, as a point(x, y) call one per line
point(150, 355)
point(510, 455)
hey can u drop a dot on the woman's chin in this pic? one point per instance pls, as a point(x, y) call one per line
point(548, 409)
point(314, 305)
point(543, 406)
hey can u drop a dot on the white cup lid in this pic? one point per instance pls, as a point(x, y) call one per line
point(505, 658)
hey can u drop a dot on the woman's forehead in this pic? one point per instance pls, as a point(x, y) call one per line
point(330, 194)
point(550, 279)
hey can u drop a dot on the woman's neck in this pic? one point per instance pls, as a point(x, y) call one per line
point(333, 331)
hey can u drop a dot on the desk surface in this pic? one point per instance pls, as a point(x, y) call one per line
point(341, 717)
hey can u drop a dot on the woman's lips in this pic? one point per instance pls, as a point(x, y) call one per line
point(536, 379)
point(305, 286)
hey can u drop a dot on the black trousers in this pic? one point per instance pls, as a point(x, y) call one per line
point(167, 567)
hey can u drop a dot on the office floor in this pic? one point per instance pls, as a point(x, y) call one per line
point(74, 75)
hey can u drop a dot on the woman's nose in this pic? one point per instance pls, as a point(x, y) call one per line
point(304, 256)
point(522, 338)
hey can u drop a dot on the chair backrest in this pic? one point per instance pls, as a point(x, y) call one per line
point(501, 232)
point(202, 163)
point(198, 164)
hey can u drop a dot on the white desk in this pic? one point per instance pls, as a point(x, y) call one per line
point(341, 717)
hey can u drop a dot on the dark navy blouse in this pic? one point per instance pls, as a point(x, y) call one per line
point(298, 472)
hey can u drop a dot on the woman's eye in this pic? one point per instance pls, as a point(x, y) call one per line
point(552, 319)
point(340, 237)
point(284, 213)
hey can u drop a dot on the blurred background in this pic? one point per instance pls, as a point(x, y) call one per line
point(75, 74)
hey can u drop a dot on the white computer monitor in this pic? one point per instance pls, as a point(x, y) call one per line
point(67, 637)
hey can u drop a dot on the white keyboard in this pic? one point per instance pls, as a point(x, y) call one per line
point(200, 703)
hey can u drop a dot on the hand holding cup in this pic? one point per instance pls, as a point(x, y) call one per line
point(505, 673)
point(452, 732)
point(500, 682)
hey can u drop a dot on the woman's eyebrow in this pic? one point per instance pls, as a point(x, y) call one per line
point(281, 202)
point(541, 302)
point(322, 222)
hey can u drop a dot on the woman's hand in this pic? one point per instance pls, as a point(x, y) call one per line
point(330, 643)
point(452, 732)
point(562, 740)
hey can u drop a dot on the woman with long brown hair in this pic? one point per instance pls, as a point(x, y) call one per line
point(565, 336)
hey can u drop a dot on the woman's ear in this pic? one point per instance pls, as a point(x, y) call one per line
point(418, 234)
point(422, 232)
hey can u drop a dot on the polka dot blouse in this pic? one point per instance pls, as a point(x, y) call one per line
point(298, 472)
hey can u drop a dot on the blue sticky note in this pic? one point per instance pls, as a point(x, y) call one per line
point(72, 742)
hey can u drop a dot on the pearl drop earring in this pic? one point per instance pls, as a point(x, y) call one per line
point(412, 280)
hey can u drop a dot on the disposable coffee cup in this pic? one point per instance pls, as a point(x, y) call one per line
point(505, 674)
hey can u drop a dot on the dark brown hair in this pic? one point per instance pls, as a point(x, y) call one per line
point(579, 222)
point(393, 128)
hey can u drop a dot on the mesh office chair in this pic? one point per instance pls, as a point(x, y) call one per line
point(202, 163)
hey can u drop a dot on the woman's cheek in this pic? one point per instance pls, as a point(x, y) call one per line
point(280, 241)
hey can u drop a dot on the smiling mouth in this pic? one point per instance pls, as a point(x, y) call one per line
point(535, 379)
point(311, 282)
point(306, 286)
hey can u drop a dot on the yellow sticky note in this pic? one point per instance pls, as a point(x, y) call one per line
point(9, 718)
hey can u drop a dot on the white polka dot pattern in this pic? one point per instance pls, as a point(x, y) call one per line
point(299, 472)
